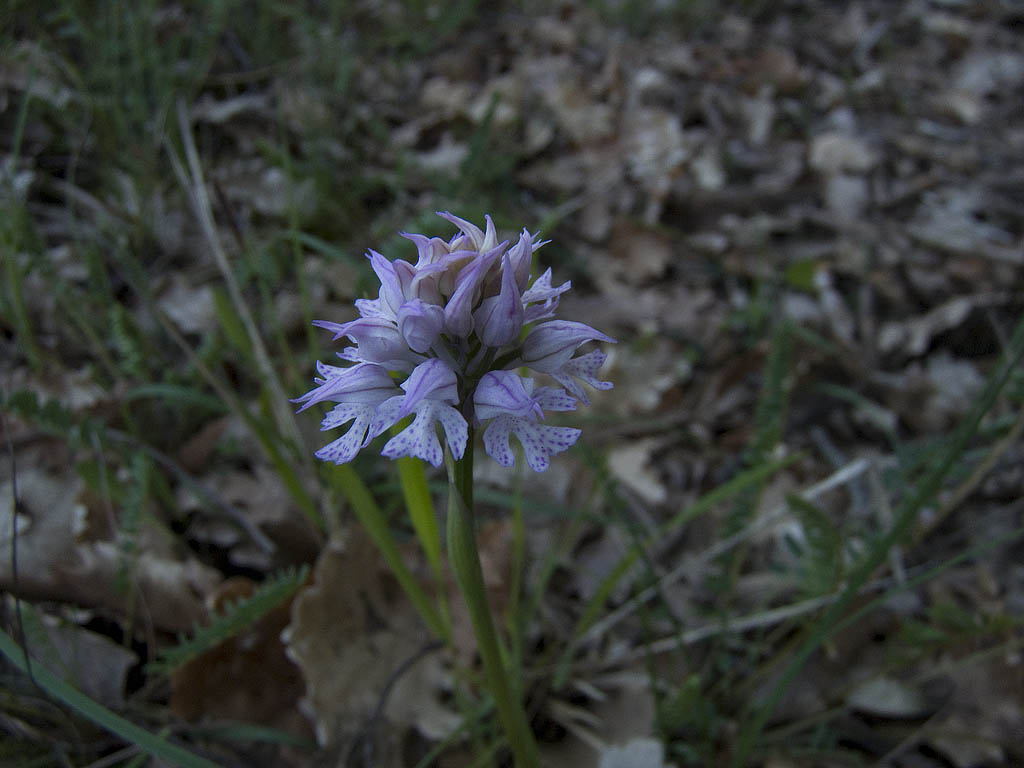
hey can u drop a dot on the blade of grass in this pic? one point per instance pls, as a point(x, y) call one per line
point(252, 733)
point(10, 230)
point(148, 742)
point(185, 395)
point(839, 477)
point(373, 520)
point(195, 188)
point(905, 515)
point(595, 605)
point(413, 479)
point(264, 433)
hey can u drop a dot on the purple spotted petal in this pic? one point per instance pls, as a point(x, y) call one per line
point(554, 399)
point(363, 383)
point(541, 291)
point(345, 448)
point(419, 439)
point(505, 393)
point(432, 379)
point(425, 343)
point(585, 368)
point(496, 441)
point(387, 414)
point(539, 441)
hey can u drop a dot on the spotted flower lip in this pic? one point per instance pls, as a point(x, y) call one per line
point(442, 344)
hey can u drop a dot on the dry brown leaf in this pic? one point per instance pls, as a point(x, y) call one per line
point(55, 563)
point(351, 631)
point(247, 678)
point(91, 662)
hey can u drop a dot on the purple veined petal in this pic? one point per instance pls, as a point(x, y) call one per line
point(419, 439)
point(370, 308)
point(345, 448)
point(432, 380)
point(584, 368)
point(378, 341)
point(521, 258)
point(426, 283)
point(429, 249)
point(550, 345)
point(458, 312)
point(391, 297)
point(482, 241)
point(363, 383)
point(420, 324)
point(539, 441)
point(453, 264)
point(499, 319)
point(505, 393)
point(541, 291)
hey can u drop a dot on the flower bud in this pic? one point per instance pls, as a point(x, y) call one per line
point(499, 319)
point(458, 312)
point(550, 345)
point(420, 324)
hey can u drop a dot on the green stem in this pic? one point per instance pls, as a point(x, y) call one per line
point(465, 561)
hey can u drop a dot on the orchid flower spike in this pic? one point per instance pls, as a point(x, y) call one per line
point(443, 343)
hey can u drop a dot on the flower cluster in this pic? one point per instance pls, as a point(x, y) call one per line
point(442, 343)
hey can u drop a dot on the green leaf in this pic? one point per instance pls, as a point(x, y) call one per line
point(231, 324)
point(413, 478)
point(237, 617)
point(373, 520)
point(904, 516)
point(184, 395)
point(148, 742)
point(822, 556)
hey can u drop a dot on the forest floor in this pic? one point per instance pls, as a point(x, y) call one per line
point(791, 535)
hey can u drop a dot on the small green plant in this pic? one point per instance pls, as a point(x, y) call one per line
point(235, 619)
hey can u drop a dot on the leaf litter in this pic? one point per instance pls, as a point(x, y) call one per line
point(702, 181)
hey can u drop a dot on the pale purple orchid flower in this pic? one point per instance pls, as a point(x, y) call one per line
point(441, 343)
point(513, 407)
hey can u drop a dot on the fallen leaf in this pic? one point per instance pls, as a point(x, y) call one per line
point(247, 678)
point(351, 633)
point(60, 559)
